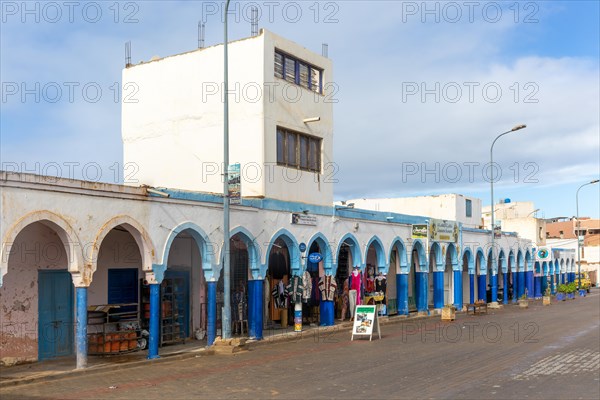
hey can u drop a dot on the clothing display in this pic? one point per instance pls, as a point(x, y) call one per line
point(307, 283)
point(345, 300)
point(356, 284)
point(327, 287)
point(315, 296)
point(370, 279)
point(352, 302)
point(295, 289)
point(381, 286)
point(280, 295)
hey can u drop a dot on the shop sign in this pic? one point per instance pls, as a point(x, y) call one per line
point(441, 230)
point(543, 253)
point(365, 319)
point(419, 231)
point(302, 247)
point(304, 219)
point(315, 258)
point(234, 184)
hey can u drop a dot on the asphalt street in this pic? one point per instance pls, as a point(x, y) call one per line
point(543, 352)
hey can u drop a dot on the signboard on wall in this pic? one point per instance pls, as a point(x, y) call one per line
point(303, 219)
point(543, 253)
point(365, 319)
point(419, 231)
point(234, 184)
point(441, 230)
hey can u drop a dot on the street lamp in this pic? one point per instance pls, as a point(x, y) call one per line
point(226, 328)
point(578, 231)
point(514, 129)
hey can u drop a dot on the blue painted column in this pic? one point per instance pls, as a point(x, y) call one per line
point(255, 308)
point(472, 288)
point(553, 281)
point(154, 338)
point(564, 278)
point(529, 284)
point(326, 313)
point(81, 332)
point(505, 293)
point(494, 283)
point(438, 289)
point(481, 288)
point(211, 323)
point(515, 286)
point(458, 290)
point(422, 289)
point(402, 293)
point(521, 283)
point(538, 287)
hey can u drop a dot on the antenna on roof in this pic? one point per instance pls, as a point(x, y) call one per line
point(128, 54)
point(254, 21)
point(325, 50)
point(200, 34)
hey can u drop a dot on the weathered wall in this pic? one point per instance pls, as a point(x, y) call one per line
point(37, 248)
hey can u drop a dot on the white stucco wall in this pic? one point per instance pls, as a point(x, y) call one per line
point(450, 207)
point(173, 132)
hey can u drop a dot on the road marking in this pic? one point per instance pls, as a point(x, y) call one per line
point(571, 362)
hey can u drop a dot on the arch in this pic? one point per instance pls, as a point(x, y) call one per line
point(420, 248)
point(520, 261)
point(511, 261)
point(139, 234)
point(252, 246)
point(349, 239)
point(528, 263)
point(321, 240)
point(292, 246)
point(398, 244)
point(489, 266)
point(479, 262)
point(470, 264)
point(200, 237)
point(436, 252)
point(502, 264)
point(382, 264)
point(66, 234)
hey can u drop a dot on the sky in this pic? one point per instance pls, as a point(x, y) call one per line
point(423, 89)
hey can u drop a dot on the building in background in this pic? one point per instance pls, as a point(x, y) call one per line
point(561, 232)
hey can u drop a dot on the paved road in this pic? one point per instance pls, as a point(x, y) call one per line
point(548, 352)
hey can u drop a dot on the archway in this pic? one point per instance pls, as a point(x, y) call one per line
point(348, 257)
point(468, 281)
point(320, 310)
point(480, 269)
point(397, 290)
point(417, 295)
point(450, 261)
point(37, 295)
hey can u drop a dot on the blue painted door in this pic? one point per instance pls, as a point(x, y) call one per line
point(55, 307)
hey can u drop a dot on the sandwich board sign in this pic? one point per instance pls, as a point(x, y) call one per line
point(365, 319)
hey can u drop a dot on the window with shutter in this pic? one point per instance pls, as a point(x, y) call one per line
point(298, 72)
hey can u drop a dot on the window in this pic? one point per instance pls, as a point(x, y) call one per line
point(298, 72)
point(297, 150)
point(469, 208)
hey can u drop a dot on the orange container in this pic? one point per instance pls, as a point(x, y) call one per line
point(92, 348)
point(106, 348)
point(93, 339)
point(124, 345)
point(132, 344)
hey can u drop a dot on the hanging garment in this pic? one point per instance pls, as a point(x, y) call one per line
point(381, 286)
point(315, 297)
point(356, 284)
point(307, 283)
point(352, 302)
point(345, 300)
point(327, 287)
point(370, 285)
point(295, 289)
point(280, 295)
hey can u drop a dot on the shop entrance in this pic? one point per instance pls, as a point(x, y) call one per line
point(278, 275)
point(466, 281)
point(55, 329)
point(448, 278)
point(412, 281)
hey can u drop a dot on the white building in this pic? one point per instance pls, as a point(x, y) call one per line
point(153, 254)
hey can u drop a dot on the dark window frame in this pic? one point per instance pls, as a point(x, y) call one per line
point(296, 80)
point(468, 208)
point(314, 166)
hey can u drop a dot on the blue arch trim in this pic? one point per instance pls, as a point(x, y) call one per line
point(502, 264)
point(379, 252)
point(323, 245)
point(436, 250)
point(511, 259)
point(253, 248)
point(418, 245)
point(354, 249)
point(398, 244)
point(482, 262)
point(207, 252)
point(470, 262)
point(293, 248)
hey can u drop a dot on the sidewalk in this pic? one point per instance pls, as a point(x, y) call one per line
point(62, 367)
